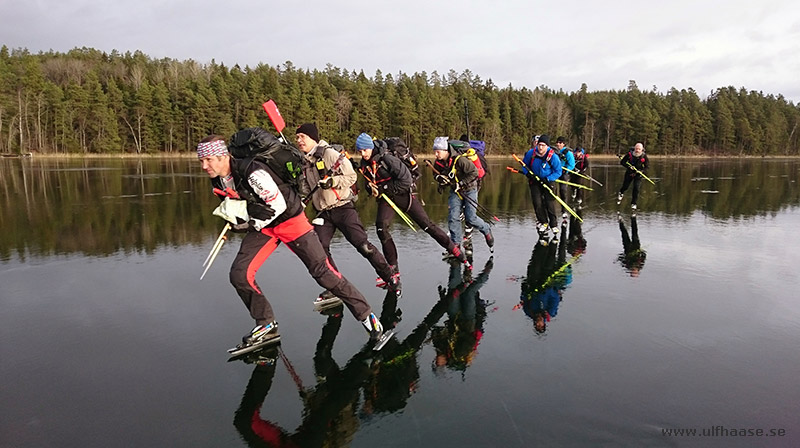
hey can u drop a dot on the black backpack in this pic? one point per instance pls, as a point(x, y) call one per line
point(257, 143)
point(398, 148)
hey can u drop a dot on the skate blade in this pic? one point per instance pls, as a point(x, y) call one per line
point(381, 342)
point(321, 305)
point(237, 352)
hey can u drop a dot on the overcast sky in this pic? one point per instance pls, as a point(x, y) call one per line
point(699, 44)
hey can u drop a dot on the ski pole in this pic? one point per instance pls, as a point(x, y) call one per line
point(635, 169)
point(542, 183)
point(555, 274)
point(574, 185)
point(477, 205)
point(218, 242)
point(292, 372)
point(215, 250)
point(391, 203)
point(399, 212)
point(582, 175)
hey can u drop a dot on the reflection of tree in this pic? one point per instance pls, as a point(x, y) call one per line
point(100, 207)
point(633, 256)
point(104, 206)
point(456, 341)
point(549, 273)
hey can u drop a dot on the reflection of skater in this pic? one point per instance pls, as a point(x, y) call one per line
point(456, 342)
point(576, 243)
point(397, 374)
point(329, 414)
point(636, 159)
point(632, 258)
point(548, 275)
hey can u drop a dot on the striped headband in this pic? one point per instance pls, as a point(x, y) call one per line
point(215, 148)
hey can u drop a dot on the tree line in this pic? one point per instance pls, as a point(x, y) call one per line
point(92, 102)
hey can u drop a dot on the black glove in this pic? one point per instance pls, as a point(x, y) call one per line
point(242, 226)
point(441, 179)
point(262, 212)
point(326, 183)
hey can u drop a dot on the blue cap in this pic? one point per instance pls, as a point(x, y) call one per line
point(364, 141)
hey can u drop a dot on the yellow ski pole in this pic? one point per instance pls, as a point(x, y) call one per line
point(574, 185)
point(399, 212)
point(634, 168)
point(582, 175)
point(563, 204)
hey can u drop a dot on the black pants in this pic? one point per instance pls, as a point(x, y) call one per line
point(637, 183)
point(563, 189)
point(345, 218)
point(544, 204)
point(257, 247)
point(411, 206)
point(580, 181)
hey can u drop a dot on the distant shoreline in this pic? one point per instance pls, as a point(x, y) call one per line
point(192, 155)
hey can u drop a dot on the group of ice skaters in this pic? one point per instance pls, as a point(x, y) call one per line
point(550, 172)
point(275, 212)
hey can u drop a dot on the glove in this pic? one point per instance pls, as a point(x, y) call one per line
point(326, 183)
point(441, 179)
point(242, 226)
point(261, 212)
point(374, 190)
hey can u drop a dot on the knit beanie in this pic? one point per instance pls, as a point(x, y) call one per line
point(440, 143)
point(310, 129)
point(364, 141)
point(544, 139)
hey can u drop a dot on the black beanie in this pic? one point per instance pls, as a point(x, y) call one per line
point(544, 139)
point(310, 129)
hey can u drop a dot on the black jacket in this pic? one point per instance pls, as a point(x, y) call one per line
point(387, 172)
point(241, 170)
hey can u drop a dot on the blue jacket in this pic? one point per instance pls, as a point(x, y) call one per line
point(540, 166)
point(546, 300)
point(568, 158)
